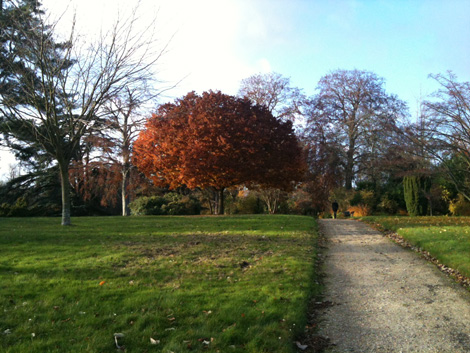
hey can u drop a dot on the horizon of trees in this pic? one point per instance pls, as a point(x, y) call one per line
point(72, 117)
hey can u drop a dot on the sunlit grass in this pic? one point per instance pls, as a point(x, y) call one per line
point(217, 284)
point(445, 238)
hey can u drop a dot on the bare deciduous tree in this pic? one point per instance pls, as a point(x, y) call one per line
point(124, 122)
point(443, 130)
point(274, 92)
point(354, 113)
point(65, 99)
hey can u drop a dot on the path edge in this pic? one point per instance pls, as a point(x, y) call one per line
point(454, 274)
point(315, 342)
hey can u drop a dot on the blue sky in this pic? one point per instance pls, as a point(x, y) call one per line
point(402, 41)
point(217, 43)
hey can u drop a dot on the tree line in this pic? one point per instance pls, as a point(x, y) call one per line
point(85, 121)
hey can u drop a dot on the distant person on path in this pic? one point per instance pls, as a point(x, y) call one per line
point(334, 206)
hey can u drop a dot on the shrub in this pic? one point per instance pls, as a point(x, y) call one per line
point(169, 204)
point(459, 206)
point(356, 199)
point(180, 205)
point(302, 203)
point(359, 210)
point(249, 203)
point(402, 212)
point(147, 205)
point(4, 209)
point(19, 209)
point(388, 205)
point(365, 197)
point(368, 198)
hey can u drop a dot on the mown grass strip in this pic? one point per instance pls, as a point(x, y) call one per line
point(212, 284)
point(446, 238)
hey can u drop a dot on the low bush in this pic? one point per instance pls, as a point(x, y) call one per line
point(459, 206)
point(176, 204)
point(388, 205)
point(19, 209)
point(147, 205)
point(359, 210)
point(169, 204)
point(247, 202)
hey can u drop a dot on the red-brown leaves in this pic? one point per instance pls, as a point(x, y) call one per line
point(216, 140)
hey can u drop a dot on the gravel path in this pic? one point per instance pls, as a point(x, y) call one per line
point(387, 299)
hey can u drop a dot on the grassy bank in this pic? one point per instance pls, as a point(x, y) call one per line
point(445, 238)
point(169, 284)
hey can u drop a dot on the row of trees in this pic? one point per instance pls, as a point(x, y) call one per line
point(83, 111)
point(361, 143)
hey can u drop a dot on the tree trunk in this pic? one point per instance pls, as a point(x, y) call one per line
point(126, 163)
point(430, 205)
point(124, 195)
point(65, 189)
point(349, 172)
point(271, 198)
point(220, 202)
point(211, 203)
point(125, 172)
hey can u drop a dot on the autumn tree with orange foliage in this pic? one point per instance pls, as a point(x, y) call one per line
point(216, 141)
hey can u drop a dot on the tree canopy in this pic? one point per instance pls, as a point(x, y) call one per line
point(218, 141)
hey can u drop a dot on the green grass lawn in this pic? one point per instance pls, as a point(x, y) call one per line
point(216, 284)
point(445, 238)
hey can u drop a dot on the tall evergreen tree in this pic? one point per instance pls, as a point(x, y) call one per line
point(415, 187)
point(18, 20)
point(33, 100)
